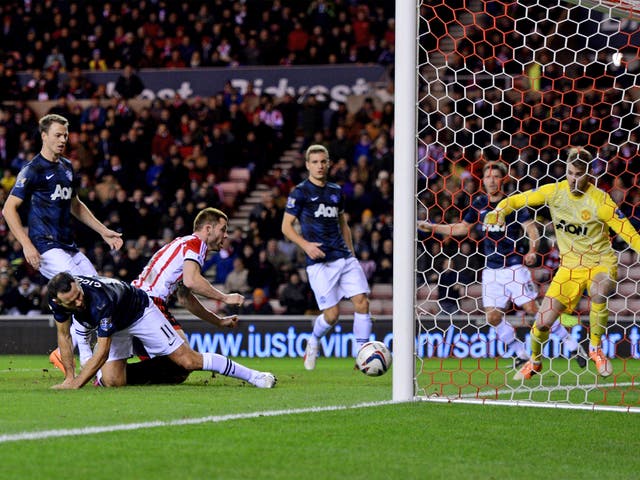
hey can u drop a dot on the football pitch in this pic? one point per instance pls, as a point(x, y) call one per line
point(327, 424)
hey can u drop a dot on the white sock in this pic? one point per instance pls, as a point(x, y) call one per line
point(320, 329)
point(81, 338)
point(361, 328)
point(561, 332)
point(507, 335)
point(219, 363)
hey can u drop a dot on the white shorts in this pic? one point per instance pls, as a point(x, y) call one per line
point(501, 285)
point(152, 329)
point(333, 281)
point(58, 260)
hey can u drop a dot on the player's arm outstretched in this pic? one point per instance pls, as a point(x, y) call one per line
point(195, 307)
point(453, 229)
point(82, 213)
point(531, 198)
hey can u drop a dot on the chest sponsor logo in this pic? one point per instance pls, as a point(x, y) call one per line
point(61, 193)
point(571, 228)
point(326, 211)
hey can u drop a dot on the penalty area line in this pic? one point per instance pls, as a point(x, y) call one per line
point(46, 434)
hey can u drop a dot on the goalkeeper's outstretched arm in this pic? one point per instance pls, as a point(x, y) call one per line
point(531, 198)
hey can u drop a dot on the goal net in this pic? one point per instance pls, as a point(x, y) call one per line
point(520, 83)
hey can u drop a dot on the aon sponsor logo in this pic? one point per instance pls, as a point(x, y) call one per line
point(327, 212)
point(571, 228)
point(61, 193)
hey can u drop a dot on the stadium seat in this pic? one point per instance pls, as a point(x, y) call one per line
point(382, 290)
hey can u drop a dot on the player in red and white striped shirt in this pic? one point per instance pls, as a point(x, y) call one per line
point(176, 268)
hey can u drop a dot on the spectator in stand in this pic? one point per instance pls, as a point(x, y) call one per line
point(259, 304)
point(129, 85)
point(237, 279)
point(22, 299)
point(295, 296)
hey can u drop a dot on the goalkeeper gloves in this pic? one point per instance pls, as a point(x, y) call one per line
point(494, 217)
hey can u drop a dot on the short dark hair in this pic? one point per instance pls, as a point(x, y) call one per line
point(579, 157)
point(45, 122)
point(59, 283)
point(208, 215)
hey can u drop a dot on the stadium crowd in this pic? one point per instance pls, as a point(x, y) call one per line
point(147, 170)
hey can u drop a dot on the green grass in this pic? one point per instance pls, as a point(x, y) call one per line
point(404, 441)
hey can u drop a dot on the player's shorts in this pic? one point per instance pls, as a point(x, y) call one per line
point(152, 329)
point(162, 306)
point(333, 281)
point(58, 260)
point(568, 284)
point(502, 285)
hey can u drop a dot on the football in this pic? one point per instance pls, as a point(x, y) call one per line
point(374, 359)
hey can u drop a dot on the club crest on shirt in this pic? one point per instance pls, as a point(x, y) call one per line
point(69, 175)
point(585, 215)
point(105, 324)
point(334, 198)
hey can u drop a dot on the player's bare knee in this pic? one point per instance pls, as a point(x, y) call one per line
point(361, 303)
point(113, 381)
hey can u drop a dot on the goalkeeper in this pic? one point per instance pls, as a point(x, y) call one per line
point(582, 215)
point(506, 277)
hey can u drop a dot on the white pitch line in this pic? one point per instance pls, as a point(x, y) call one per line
point(45, 434)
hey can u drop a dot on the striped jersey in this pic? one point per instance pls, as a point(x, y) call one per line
point(161, 276)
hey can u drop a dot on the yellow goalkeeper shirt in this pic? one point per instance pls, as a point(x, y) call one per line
point(581, 222)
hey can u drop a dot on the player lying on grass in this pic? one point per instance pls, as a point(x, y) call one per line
point(582, 215)
point(506, 277)
point(118, 311)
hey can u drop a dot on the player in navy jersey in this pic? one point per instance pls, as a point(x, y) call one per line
point(333, 270)
point(118, 311)
point(506, 277)
point(47, 187)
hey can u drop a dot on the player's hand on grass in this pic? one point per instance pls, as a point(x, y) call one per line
point(66, 385)
point(113, 239)
point(234, 299)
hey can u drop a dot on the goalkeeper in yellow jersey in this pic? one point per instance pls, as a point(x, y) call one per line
point(582, 215)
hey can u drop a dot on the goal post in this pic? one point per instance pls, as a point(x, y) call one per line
point(517, 83)
point(404, 201)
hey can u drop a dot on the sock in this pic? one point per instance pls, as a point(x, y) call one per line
point(218, 363)
point(507, 335)
point(81, 338)
point(538, 338)
point(598, 318)
point(361, 328)
point(561, 332)
point(320, 329)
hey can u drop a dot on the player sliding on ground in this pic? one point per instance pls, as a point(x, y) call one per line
point(582, 215)
point(506, 277)
point(118, 311)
